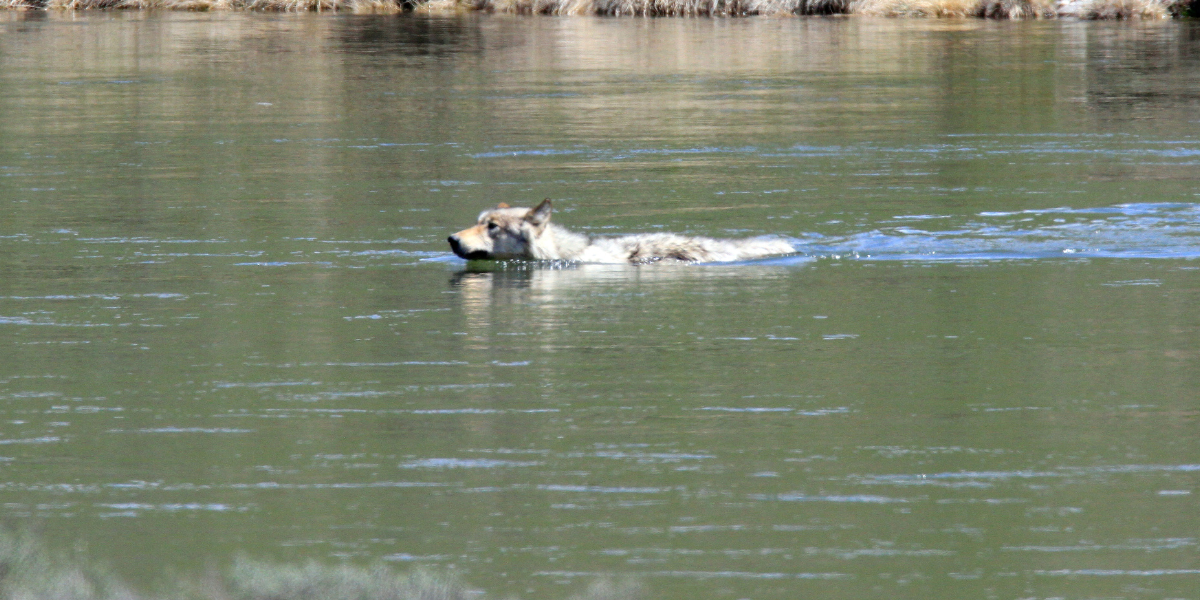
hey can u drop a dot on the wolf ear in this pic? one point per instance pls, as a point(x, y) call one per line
point(541, 214)
point(503, 205)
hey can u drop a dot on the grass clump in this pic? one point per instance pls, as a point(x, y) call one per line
point(354, 6)
point(1125, 9)
point(640, 8)
point(989, 9)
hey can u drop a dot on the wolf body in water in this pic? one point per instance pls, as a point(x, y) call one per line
point(527, 233)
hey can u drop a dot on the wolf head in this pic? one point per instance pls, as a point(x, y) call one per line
point(502, 233)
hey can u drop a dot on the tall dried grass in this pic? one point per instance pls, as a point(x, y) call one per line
point(355, 6)
point(651, 8)
point(1127, 9)
point(988, 9)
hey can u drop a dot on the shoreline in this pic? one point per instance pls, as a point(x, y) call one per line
point(985, 9)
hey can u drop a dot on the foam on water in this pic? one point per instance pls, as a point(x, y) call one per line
point(1149, 230)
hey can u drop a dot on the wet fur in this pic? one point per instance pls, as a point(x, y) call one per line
point(527, 233)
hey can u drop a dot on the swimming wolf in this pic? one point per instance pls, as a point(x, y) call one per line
point(505, 232)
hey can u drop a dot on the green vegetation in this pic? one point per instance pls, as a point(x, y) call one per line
point(993, 9)
point(30, 571)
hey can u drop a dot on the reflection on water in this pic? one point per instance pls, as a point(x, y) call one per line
point(229, 321)
point(413, 37)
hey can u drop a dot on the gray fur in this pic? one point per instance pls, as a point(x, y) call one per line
point(524, 233)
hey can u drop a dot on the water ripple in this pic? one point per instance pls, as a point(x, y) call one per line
point(1147, 230)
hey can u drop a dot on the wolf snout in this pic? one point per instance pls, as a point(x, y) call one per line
point(455, 245)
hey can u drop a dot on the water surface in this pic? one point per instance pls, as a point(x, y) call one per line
point(229, 321)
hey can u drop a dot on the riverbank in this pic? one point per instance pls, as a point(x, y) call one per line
point(991, 9)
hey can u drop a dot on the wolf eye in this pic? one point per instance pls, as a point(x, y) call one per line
point(493, 226)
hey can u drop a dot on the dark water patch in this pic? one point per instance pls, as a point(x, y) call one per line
point(391, 35)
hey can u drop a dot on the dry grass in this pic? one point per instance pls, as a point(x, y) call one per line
point(643, 8)
point(355, 6)
point(990, 9)
point(914, 8)
point(1015, 9)
point(383, 7)
point(446, 7)
point(1126, 9)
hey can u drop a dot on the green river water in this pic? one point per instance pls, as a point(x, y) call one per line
point(230, 322)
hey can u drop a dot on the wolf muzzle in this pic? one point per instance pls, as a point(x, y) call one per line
point(457, 247)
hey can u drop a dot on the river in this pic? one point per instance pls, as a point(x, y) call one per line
point(230, 322)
